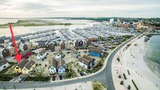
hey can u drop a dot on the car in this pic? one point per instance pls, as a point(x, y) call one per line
point(83, 73)
point(53, 78)
point(85, 51)
point(21, 78)
point(60, 77)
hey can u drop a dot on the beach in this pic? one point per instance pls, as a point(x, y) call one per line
point(132, 60)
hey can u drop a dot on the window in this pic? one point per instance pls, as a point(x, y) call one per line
point(4, 66)
point(84, 66)
point(17, 67)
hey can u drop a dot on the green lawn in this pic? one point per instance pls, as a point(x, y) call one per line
point(34, 23)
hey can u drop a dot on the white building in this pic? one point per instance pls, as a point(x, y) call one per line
point(111, 21)
point(21, 45)
point(42, 55)
point(61, 70)
point(3, 64)
point(82, 65)
point(52, 70)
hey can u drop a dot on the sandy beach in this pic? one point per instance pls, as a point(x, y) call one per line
point(132, 60)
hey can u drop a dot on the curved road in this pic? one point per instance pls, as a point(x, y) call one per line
point(104, 76)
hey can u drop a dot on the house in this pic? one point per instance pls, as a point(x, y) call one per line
point(94, 51)
point(1, 46)
point(1, 41)
point(76, 43)
point(18, 68)
point(23, 40)
point(5, 52)
point(84, 63)
point(11, 50)
point(42, 44)
point(3, 64)
point(57, 66)
point(5, 39)
point(58, 50)
point(28, 67)
point(63, 46)
point(17, 38)
point(85, 43)
point(53, 66)
point(74, 52)
point(61, 66)
point(1, 57)
point(51, 47)
point(90, 40)
point(42, 54)
point(58, 56)
point(23, 46)
point(52, 70)
point(90, 59)
point(26, 54)
point(79, 43)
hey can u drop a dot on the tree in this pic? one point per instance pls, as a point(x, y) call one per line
point(129, 87)
point(118, 59)
point(119, 76)
point(121, 82)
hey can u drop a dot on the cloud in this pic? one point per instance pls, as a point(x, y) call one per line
point(3, 1)
point(93, 8)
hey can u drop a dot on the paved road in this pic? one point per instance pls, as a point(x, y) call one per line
point(104, 76)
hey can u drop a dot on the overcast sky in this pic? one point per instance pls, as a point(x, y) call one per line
point(79, 8)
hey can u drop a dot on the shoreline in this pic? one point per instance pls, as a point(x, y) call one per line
point(132, 60)
point(152, 66)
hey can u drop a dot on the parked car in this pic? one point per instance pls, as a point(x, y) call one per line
point(85, 51)
point(83, 73)
point(53, 78)
point(21, 78)
point(60, 77)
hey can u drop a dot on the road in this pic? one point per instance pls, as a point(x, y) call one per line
point(104, 76)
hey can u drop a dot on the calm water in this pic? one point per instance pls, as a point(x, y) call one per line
point(4, 21)
point(153, 51)
point(32, 29)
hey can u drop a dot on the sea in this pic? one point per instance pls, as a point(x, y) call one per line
point(31, 29)
point(152, 54)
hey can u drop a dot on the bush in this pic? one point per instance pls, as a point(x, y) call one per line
point(118, 59)
point(121, 82)
point(98, 67)
point(129, 87)
point(70, 73)
point(97, 86)
point(37, 78)
point(128, 72)
point(124, 76)
point(119, 76)
point(5, 77)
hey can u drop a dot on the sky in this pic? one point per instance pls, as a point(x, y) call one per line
point(79, 8)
